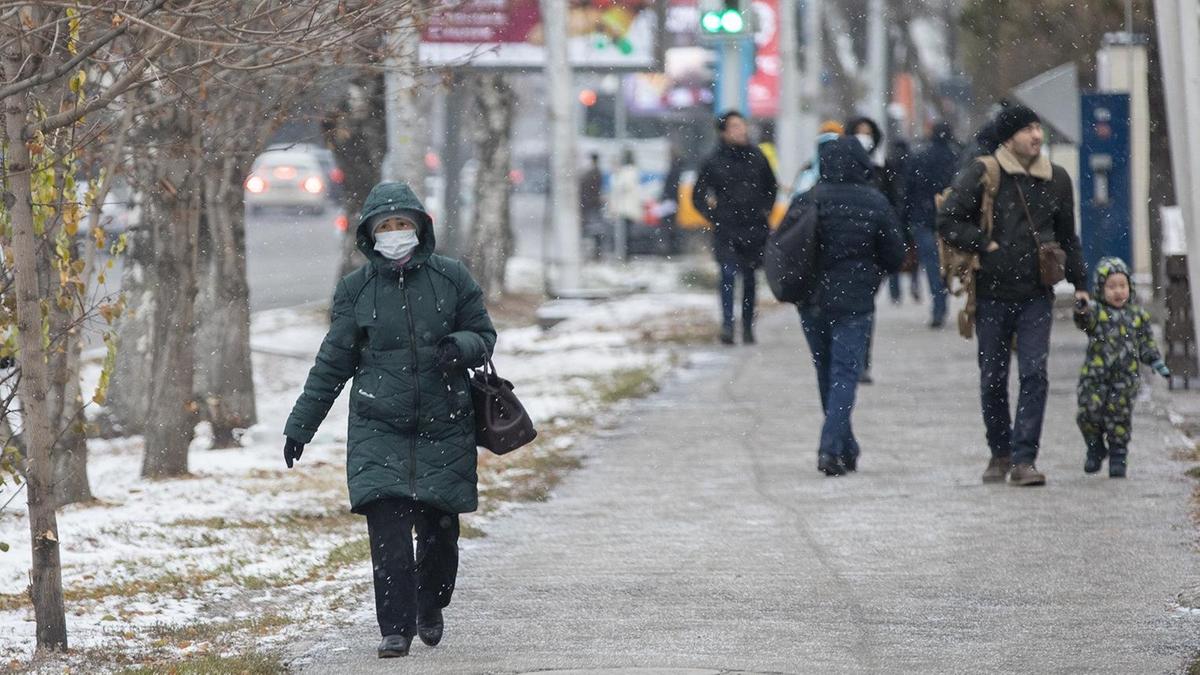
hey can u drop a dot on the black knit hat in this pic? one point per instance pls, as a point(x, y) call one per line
point(1013, 119)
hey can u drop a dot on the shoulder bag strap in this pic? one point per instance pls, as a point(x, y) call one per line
point(1028, 215)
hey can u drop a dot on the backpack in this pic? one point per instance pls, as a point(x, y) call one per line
point(956, 263)
point(790, 257)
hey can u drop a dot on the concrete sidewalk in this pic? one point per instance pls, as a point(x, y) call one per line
point(699, 535)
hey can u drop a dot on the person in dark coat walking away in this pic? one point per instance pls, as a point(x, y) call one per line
point(930, 171)
point(735, 192)
point(668, 204)
point(894, 177)
point(406, 326)
point(869, 136)
point(859, 240)
point(591, 205)
point(1014, 306)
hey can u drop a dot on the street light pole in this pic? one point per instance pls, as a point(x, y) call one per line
point(788, 124)
point(564, 188)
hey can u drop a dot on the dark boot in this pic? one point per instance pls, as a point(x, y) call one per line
point(1116, 465)
point(394, 645)
point(1026, 475)
point(830, 465)
point(430, 628)
point(748, 334)
point(726, 335)
point(850, 462)
point(997, 470)
point(1096, 452)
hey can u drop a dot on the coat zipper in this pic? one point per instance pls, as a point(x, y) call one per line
point(412, 337)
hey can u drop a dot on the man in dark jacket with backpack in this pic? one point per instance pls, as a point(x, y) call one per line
point(858, 241)
point(930, 171)
point(735, 192)
point(1033, 207)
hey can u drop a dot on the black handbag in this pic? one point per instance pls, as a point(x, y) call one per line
point(501, 423)
point(790, 257)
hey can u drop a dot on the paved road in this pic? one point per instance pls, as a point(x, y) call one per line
point(291, 259)
point(699, 535)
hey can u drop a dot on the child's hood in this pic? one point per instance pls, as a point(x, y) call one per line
point(1106, 268)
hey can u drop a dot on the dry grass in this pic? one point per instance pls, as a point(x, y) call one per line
point(515, 309)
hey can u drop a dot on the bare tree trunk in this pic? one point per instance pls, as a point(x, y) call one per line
point(69, 454)
point(129, 394)
point(46, 572)
point(357, 135)
point(175, 224)
point(491, 238)
point(224, 377)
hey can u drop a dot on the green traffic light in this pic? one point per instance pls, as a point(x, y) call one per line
point(732, 22)
point(711, 22)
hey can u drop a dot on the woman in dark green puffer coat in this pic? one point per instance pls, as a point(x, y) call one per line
point(406, 327)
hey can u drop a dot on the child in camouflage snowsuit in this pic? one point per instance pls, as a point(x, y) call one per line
point(1119, 338)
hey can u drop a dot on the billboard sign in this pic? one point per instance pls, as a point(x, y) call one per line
point(602, 34)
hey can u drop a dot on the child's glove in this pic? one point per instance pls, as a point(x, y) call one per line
point(1161, 368)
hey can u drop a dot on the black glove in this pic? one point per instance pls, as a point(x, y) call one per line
point(448, 354)
point(292, 449)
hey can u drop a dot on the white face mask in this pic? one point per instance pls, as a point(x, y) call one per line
point(867, 141)
point(396, 244)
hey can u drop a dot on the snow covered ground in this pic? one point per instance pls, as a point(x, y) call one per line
point(221, 562)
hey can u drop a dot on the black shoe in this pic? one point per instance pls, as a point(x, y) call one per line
point(748, 336)
point(726, 335)
point(830, 465)
point(937, 324)
point(850, 462)
point(394, 645)
point(865, 377)
point(430, 628)
point(1116, 467)
point(1092, 463)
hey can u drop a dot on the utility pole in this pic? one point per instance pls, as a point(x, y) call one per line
point(788, 125)
point(1178, 24)
point(404, 160)
point(877, 66)
point(564, 188)
point(813, 65)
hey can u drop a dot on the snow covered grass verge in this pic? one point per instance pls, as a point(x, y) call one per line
point(207, 573)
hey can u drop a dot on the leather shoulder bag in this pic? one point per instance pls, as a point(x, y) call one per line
point(1052, 259)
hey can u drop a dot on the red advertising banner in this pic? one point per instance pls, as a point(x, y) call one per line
point(509, 33)
point(763, 93)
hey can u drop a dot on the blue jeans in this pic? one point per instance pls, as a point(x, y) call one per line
point(729, 275)
point(927, 252)
point(839, 349)
point(997, 323)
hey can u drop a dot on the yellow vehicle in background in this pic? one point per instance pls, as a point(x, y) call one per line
point(690, 219)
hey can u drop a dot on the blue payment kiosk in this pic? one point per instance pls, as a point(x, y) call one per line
point(1104, 179)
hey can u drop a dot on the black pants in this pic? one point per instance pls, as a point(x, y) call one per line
point(406, 588)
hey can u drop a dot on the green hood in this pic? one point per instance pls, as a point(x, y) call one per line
point(390, 197)
point(1106, 268)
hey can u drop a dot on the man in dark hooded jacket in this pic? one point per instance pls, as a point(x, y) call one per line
point(406, 326)
point(735, 191)
point(930, 171)
point(859, 240)
point(1034, 205)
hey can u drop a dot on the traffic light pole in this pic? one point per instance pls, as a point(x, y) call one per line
point(732, 76)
